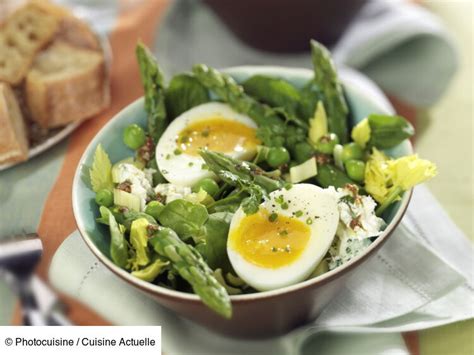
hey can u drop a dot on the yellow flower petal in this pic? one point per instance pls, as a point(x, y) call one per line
point(409, 171)
point(361, 133)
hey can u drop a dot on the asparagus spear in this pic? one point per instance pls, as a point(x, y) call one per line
point(234, 171)
point(244, 175)
point(189, 264)
point(325, 77)
point(153, 84)
point(271, 126)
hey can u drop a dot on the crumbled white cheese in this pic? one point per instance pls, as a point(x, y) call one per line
point(172, 192)
point(140, 181)
point(149, 174)
point(357, 223)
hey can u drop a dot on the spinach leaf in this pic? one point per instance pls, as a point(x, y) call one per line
point(185, 218)
point(184, 92)
point(126, 217)
point(275, 92)
point(388, 131)
point(214, 249)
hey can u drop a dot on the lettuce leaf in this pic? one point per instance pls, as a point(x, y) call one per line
point(101, 171)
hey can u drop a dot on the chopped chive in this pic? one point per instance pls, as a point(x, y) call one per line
point(273, 217)
point(168, 156)
point(177, 151)
point(309, 221)
point(284, 206)
point(298, 213)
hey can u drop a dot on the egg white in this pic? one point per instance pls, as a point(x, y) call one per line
point(313, 201)
point(184, 169)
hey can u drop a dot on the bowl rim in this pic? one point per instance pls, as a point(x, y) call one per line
point(262, 295)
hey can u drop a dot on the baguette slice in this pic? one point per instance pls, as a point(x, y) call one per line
point(71, 29)
point(30, 28)
point(13, 64)
point(13, 137)
point(75, 32)
point(66, 84)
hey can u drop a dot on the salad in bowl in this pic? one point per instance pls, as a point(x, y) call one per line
point(239, 187)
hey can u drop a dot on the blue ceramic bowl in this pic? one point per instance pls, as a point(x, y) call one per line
point(254, 315)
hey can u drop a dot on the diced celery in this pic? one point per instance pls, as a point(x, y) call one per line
point(304, 171)
point(126, 199)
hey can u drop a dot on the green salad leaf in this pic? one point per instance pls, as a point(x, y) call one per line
point(185, 218)
point(118, 243)
point(151, 272)
point(183, 93)
point(214, 250)
point(387, 131)
point(101, 171)
point(139, 241)
point(275, 92)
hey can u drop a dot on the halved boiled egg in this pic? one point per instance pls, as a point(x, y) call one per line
point(214, 126)
point(286, 239)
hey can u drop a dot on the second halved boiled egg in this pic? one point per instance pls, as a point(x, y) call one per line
point(286, 239)
point(214, 126)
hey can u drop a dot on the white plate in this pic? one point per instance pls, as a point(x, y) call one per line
point(48, 143)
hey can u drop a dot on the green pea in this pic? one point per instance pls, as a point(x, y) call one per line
point(352, 151)
point(302, 152)
point(355, 169)
point(327, 143)
point(104, 198)
point(134, 136)
point(154, 208)
point(277, 156)
point(208, 185)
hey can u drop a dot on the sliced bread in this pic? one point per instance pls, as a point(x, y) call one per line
point(66, 84)
point(30, 28)
point(13, 136)
point(13, 64)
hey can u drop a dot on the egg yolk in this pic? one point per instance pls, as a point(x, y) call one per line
point(269, 240)
point(217, 134)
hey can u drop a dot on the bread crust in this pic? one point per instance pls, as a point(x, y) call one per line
point(66, 84)
point(13, 64)
point(13, 137)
